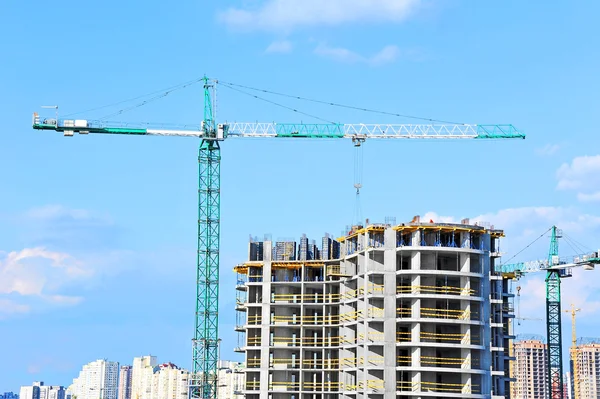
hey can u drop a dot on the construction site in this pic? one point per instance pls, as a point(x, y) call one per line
point(419, 309)
point(404, 311)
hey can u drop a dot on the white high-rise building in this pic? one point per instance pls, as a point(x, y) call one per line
point(231, 380)
point(52, 392)
point(169, 382)
point(40, 391)
point(97, 380)
point(141, 377)
point(30, 391)
point(588, 370)
point(125, 382)
point(530, 370)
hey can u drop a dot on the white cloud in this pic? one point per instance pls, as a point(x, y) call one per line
point(279, 46)
point(438, 218)
point(385, 55)
point(37, 273)
point(589, 197)
point(548, 149)
point(61, 214)
point(51, 212)
point(286, 15)
point(582, 174)
point(9, 307)
point(524, 225)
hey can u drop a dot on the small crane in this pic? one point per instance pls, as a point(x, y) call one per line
point(205, 342)
point(555, 269)
point(573, 311)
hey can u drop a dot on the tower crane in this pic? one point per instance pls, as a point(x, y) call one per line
point(211, 134)
point(555, 269)
point(573, 311)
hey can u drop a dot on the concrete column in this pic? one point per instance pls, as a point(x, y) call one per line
point(266, 316)
point(389, 305)
point(485, 289)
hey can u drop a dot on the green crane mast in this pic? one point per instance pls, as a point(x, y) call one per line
point(555, 269)
point(553, 320)
point(205, 342)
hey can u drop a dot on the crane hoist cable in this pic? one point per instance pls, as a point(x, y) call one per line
point(358, 172)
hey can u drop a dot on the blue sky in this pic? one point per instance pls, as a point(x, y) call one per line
point(97, 247)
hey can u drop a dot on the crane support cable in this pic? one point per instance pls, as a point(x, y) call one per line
point(581, 248)
point(231, 85)
point(167, 89)
point(530, 244)
point(151, 99)
point(279, 105)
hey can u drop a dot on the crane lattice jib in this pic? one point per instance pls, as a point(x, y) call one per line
point(203, 380)
point(292, 130)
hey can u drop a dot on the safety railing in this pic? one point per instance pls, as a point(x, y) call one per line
point(403, 312)
point(312, 363)
point(287, 362)
point(253, 341)
point(441, 387)
point(369, 384)
point(285, 341)
point(317, 319)
point(433, 313)
point(337, 363)
point(256, 319)
point(439, 361)
point(316, 297)
point(335, 270)
point(373, 336)
point(375, 289)
point(428, 289)
point(284, 386)
point(305, 341)
point(351, 294)
point(255, 278)
point(253, 363)
point(450, 338)
point(326, 341)
point(252, 385)
point(322, 386)
point(375, 312)
point(448, 314)
point(374, 360)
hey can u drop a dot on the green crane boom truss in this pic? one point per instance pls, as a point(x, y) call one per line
point(205, 341)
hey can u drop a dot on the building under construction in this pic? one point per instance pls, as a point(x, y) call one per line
point(388, 311)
